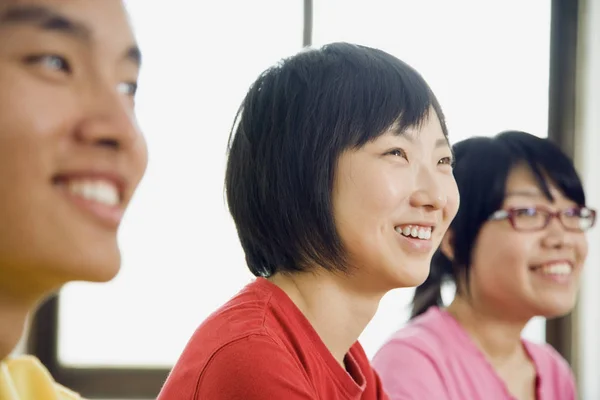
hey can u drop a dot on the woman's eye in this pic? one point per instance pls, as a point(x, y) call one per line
point(526, 212)
point(50, 61)
point(398, 153)
point(447, 161)
point(128, 88)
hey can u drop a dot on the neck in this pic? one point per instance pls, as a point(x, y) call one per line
point(13, 316)
point(19, 295)
point(338, 312)
point(498, 338)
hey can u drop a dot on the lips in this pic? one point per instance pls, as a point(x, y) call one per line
point(100, 196)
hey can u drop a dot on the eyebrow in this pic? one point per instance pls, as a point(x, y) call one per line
point(443, 142)
point(525, 193)
point(134, 55)
point(46, 19)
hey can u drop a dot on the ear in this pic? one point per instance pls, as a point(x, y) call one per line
point(447, 245)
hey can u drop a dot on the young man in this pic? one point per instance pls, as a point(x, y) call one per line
point(71, 156)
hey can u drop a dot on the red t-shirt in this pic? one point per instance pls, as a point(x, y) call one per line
point(259, 346)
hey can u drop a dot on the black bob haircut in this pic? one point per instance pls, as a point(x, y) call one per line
point(292, 126)
point(482, 168)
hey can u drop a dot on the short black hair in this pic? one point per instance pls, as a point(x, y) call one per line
point(482, 168)
point(292, 126)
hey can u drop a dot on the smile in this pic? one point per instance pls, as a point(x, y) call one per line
point(560, 271)
point(99, 191)
point(99, 197)
point(415, 231)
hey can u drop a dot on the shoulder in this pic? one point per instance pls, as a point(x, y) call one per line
point(426, 335)
point(254, 355)
point(409, 353)
point(261, 367)
point(67, 394)
point(552, 368)
point(547, 357)
point(240, 318)
point(243, 339)
point(29, 377)
point(411, 362)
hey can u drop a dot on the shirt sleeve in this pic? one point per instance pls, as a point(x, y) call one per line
point(408, 373)
point(253, 368)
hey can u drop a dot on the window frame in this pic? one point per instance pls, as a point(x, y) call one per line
point(562, 108)
point(145, 383)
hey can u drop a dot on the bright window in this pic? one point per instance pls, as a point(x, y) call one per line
point(486, 61)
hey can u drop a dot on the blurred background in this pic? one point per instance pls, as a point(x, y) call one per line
point(494, 65)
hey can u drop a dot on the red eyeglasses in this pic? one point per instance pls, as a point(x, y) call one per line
point(576, 219)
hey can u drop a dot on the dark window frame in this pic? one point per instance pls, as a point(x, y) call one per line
point(564, 45)
point(145, 383)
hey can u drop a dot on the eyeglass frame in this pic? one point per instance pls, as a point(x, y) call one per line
point(510, 215)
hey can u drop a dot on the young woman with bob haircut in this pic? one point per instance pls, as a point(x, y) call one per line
point(339, 180)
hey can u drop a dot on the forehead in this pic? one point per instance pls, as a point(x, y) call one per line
point(428, 132)
point(104, 24)
point(522, 183)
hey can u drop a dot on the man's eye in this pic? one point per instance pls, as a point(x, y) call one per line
point(50, 61)
point(128, 88)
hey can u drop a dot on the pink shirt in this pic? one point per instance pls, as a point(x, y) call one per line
point(434, 358)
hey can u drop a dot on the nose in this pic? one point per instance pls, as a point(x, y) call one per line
point(109, 121)
point(429, 191)
point(556, 236)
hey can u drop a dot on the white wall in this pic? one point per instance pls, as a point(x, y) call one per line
point(588, 161)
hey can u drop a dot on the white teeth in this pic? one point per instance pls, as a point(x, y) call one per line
point(415, 231)
point(103, 192)
point(557, 269)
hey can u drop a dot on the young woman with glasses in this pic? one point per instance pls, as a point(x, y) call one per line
point(515, 250)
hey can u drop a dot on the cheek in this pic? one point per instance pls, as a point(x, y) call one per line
point(452, 200)
point(367, 193)
point(141, 152)
point(33, 115)
point(581, 248)
point(386, 191)
point(31, 108)
point(500, 259)
point(366, 200)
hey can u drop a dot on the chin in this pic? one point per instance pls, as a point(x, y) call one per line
point(100, 259)
point(93, 266)
point(103, 270)
point(556, 309)
point(410, 276)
